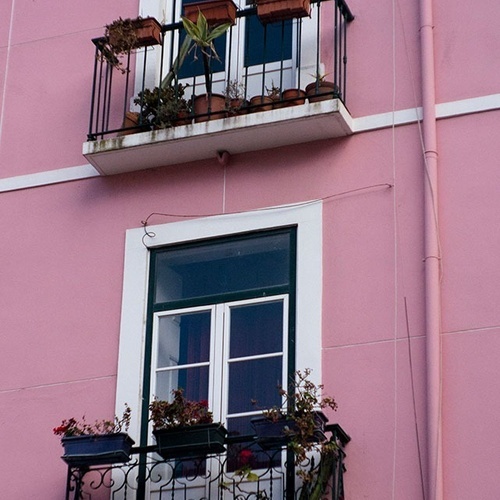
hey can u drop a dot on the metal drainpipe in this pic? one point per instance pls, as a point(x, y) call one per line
point(432, 258)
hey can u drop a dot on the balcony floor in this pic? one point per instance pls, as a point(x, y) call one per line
point(240, 134)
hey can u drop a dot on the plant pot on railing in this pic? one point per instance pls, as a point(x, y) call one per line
point(196, 440)
point(272, 434)
point(216, 12)
point(134, 33)
point(270, 11)
point(97, 449)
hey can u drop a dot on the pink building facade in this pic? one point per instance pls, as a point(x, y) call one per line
point(389, 193)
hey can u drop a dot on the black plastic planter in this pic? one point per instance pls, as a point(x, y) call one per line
point(276, 434)
point(97, 449)
point(194, 441)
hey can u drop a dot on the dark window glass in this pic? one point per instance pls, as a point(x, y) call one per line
point(214, 268)
point(254, 384)
point(256, 329)
point(267, 44)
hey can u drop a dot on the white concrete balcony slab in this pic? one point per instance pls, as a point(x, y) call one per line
point(239, 134)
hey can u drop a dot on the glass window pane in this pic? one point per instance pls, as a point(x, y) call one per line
point(256, 329)
point(254, 380)
point(183, 339)
point(211, 268)
point(278, 42)
point(194, 381)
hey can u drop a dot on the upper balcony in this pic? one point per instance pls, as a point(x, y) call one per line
point(260, 85)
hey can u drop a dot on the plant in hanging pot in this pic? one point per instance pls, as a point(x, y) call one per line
point(216, 12)
point(299, 422)
point(203, 36)
point(270, 11)
point(103, 442)
point(124, 35)
point(185, 428)
point(321, 89)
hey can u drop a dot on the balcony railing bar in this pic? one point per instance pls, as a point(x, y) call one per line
point(104, 114)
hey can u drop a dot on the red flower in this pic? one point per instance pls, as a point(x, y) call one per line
point(245, 456)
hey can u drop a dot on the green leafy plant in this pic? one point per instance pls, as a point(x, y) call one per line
point(179, 412)
point(301, 402)
point(161, 107)
point(73, 427)
point(203, 37)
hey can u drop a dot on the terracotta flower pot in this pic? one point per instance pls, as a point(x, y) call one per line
point(216, 11)
point(270, 11)
point(290, 97)
point(214, 111)
point(131, 119)
point(237, 107)
point(147, 30)
point(321, 91)
point(261, 103)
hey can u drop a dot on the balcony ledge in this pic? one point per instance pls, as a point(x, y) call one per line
point(240, 134)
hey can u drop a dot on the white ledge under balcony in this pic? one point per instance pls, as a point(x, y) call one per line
point(239, 134)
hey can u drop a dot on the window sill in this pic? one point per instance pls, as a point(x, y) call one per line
point(240, 134)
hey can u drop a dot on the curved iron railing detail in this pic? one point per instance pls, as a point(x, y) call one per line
point(245, 472)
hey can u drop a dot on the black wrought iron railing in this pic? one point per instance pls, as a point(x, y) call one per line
point(255, 60)
point(245, 472)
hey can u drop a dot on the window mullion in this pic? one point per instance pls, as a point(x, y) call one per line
point(216, 366)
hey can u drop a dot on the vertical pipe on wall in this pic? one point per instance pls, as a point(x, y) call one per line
point(432, 257)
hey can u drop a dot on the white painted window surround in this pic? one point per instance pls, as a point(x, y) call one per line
point(308, 220)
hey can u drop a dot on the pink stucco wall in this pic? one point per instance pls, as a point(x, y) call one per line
point(62, 246)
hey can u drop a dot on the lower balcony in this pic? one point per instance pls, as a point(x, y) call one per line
point(245, 472)
point(267, 83)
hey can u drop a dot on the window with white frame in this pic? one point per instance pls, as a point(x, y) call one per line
point(220, 325)
point(224, 307)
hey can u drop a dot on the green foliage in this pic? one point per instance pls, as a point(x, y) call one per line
point(203, 36)
point(161, 107)
point(301, 402)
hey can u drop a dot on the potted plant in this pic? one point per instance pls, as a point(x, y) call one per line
point(216, 12)
point(202, 35)
point(299, 422)
point(125, 35)
point(270, 11)
point(103, 442)
point(184, 428)
point(164, 107)
point(321, 89)
point(291, 97)
point(234, 93)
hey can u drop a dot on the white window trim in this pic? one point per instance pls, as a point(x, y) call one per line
point(307, 218)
